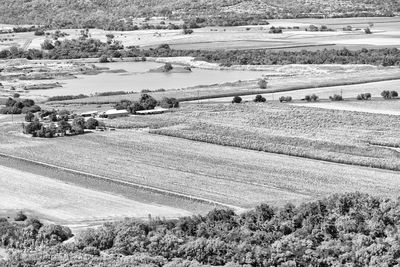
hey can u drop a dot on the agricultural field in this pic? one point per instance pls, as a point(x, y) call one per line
point(68, 204)
point(385, 33)
point(150, 148)
point(349, 92)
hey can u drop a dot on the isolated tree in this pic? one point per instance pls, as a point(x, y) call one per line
point(103, 59)
point(237, 99)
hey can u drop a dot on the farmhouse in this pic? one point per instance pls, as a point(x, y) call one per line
point(89, 113)
point(114, 113)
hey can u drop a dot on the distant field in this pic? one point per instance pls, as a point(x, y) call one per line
point(230, 175)
point(385, 34)
point(347, 91)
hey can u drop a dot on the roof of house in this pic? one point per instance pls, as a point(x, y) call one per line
point(89, 112)
point(152, 111)
point(116, 112)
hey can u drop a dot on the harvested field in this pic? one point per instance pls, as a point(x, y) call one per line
point(65, 203)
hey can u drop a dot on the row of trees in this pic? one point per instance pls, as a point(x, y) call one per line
point(146, 102)
point(18, 106)
point(88, 47)
point(350, 229)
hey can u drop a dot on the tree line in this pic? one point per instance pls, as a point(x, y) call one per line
point(351, 229)
point(88, 47)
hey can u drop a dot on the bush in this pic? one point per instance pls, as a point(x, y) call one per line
point(169, 103)
point(187, 31)
point(262, 83)
point(389, 94)
point(285, 99)
point(103, 59)
point(366, 96)
point(237, 99)
point(16, 95)
point(336, 98)
point(20, 217)
point(259, 98)
point(168, 67)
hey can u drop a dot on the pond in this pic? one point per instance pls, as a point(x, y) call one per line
point(138, 78)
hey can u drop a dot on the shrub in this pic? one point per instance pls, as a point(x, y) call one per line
point(262, 83)
point(20, 217)
point(168, 67)
point(366, 96)
point(169, 103)
point(285, 99)
point(187, 31)
point(16, 95)
point(314, 97)
point(336, 98)
point(103, 59)
point(389, 94)
point(237, 99)
point(259, 98)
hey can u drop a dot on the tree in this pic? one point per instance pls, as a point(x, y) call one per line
point(147, 102)
point(29, 116)
point(91, 123)
point(169, 102)
point(64, 126)
point(237, 99)
point(47, 45)
point(78, 125)
point(259, 98)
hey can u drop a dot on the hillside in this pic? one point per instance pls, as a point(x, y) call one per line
point(102, 13)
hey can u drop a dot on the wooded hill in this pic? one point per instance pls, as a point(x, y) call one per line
point(102, 13)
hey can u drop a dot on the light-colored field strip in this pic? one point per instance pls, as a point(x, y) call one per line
point(61, 202)
point(229, 175)
point(132, 184)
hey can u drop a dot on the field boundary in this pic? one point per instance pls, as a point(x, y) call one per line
point(122, 182)
point(246, 93)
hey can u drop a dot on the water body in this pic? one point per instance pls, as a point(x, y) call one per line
point(138, 78)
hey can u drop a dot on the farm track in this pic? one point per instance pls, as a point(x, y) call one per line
point(122, 182)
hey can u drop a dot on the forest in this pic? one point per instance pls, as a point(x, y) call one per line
point(105, 14)
point(351, 228)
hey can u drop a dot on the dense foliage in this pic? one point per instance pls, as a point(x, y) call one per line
point(117, 14)
point(343, 230)
point(18, 106)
